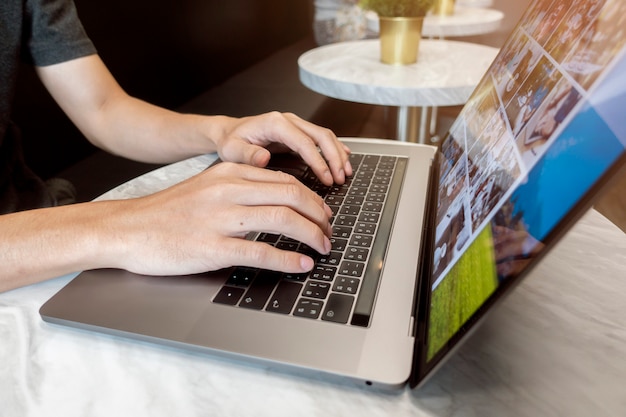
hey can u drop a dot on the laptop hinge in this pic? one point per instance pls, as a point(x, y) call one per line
point(424, 272)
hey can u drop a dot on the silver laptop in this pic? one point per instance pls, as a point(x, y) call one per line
point(426, 239)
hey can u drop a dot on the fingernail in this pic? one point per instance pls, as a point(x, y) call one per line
point(306, 263)
point(327, 245)
point(328, 210)
point(348, 168)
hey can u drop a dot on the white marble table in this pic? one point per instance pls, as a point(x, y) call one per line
point(466, 21)
point(445, 74)
point(555, 347)
point(474, 3)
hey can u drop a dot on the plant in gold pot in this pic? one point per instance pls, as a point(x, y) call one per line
point(400, 27)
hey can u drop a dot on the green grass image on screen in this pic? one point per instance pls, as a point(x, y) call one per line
point(465, 288)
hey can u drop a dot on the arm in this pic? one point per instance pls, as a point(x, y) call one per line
point(195, 226)
point(121, 124)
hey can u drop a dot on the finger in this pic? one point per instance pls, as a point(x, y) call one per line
point(251, 186)
point(241, 151)
point(241, 252)
point(279, 220)
point(336, 154)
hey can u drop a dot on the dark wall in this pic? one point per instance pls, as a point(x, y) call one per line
point(163, 51)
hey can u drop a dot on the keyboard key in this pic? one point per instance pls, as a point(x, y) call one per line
point(362, 182)
point(268, 238)
point(364, 175)
point(351, 268)
point(371, 159)
point(324, 273)
point(338, 190)
point(314, 289)
point(335, 200)
point(364, 228)
point(376, 197)
point(384, 172)
point(346, 285)
point(373, 206)
point(344, 220)
point(333, 258)
point(350, 210)
point(308, 251)
point(241, 277)
point(260, 290)
point(358, 191)
point(228, 295)
point(356, 254)
point(354, 200)
point(379, 188)
point(380, 180)
point(369, 217)
point(338, 244)
point(338, 308)
point(355, 159)
point(296, 277)
point(288, 246)
point(342, 231)
point(363, 241)
point(308, 308)
point(284, 297)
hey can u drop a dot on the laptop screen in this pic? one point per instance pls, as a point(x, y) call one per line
point(542, 130)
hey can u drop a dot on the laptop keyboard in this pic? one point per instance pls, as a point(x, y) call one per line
point(342, 286)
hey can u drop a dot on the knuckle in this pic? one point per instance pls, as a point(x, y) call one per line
point(275, 115)
point(294, 192)
point(225, 167)
point(328, 133)
point(258, 253)
point(280, 215)
point(252, 254)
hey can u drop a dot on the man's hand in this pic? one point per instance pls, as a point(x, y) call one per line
point(249, 140)
point(200, 224)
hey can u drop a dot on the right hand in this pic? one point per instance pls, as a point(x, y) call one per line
point(200, 224)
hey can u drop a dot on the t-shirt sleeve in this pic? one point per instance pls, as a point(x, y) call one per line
point(53, 33)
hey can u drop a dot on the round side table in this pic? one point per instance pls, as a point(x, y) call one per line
point(445, 74)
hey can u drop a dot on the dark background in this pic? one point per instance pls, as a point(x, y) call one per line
point(163, 51)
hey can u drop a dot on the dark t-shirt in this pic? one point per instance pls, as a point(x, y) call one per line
point(36, 32)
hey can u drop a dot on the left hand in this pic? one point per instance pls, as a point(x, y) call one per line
point(249, 140)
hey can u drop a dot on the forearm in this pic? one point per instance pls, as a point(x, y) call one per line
point(121, 124)
point(46, 243)
point(138, 130)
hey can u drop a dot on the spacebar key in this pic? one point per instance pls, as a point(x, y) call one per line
point(338, 308)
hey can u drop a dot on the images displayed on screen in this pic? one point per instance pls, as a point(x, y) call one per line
point(530, 142)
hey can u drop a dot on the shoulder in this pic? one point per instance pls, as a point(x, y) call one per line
point(53, 32)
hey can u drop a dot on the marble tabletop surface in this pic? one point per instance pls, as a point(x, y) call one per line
point(445, 74)
point(466, 21)
point(474, 3)
point(555, 347)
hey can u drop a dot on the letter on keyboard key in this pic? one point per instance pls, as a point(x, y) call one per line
point(338, 308)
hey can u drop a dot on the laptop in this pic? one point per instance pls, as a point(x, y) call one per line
point(427, 239)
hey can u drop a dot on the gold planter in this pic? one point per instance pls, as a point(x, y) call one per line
point(443, 8)
point(399, 39)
